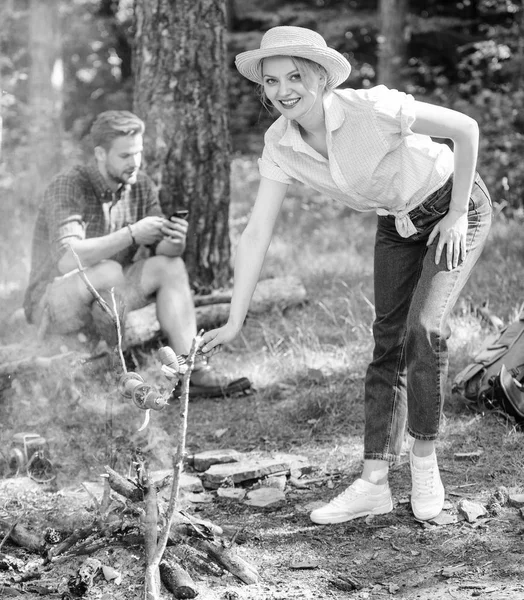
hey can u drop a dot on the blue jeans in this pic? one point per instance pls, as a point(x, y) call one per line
point(414, 297)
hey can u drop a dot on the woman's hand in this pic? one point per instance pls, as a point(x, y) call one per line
point(452, 230)
point(216, 337)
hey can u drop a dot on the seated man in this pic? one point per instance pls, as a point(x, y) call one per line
point(106, 212)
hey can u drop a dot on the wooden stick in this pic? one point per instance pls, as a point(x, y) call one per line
point(227, 559)
point(179, 458)
point(150, 522)
point(118, 332)
point(123, 486)
point(105, 306)
point(69, 542)
point(183, 523)
point(177, 580)
point(152, 577)
point(199, 527)
point(90, 287)
point(153, 559)
point(82, 550)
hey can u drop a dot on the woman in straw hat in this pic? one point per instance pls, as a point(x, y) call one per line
point(372, 149)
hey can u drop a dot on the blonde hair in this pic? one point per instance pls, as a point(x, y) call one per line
point(115, 123)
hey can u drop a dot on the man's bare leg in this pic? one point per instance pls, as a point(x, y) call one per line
point(72, 290)
point(168, 278)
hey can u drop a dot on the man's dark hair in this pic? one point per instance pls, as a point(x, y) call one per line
point(115, 123)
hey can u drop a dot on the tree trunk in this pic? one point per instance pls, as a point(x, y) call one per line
point(393, 42)
point(181, 93)
point(231, 14)
point(45, 91)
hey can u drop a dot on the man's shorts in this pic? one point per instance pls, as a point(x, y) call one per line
point(66, 311)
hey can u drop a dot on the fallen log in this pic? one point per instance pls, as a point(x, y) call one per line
point(177, 580)
point(212, 310)
point(142, 327)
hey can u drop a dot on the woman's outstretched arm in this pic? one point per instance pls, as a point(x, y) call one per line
point(249, 260)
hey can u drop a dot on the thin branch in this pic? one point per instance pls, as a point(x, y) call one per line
point(109, 400)
point(118, 332)
point(90, 287)
point(179, 458)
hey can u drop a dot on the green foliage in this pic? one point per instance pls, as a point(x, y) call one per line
point(465, 55)
point(97, 49)
point(14, 65)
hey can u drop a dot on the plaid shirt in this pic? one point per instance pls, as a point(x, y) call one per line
point(78, 204)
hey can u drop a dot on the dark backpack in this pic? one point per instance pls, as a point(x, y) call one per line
point(496, 375)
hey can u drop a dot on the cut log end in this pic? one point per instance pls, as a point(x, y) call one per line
point(177, 580)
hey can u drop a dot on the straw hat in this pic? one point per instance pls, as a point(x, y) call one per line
point(294, 41)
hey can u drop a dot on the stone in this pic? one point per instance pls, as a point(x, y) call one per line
point(444, 519)
point(111, 574)
point(298, 464)
point(203, 460)
point(279, 482)
point(231, 493)
point(454, 571)
point(516, 500)
point(191, 483)
point(244, 470)
point(264, 497)
point(199, 498)
point(471, 510)
point(188, 482)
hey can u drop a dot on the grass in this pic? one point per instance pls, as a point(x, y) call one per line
point(307, 363)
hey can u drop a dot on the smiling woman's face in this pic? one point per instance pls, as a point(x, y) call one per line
point(285, 88)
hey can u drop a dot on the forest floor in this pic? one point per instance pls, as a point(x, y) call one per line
point(307, 364)
point(392, 555)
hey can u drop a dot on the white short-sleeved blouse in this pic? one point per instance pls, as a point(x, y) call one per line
point(375, 161)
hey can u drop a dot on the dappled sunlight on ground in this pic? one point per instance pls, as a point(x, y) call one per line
point(307, 364)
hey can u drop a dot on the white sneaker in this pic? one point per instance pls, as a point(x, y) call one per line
point(427, 491)
point(358, 500)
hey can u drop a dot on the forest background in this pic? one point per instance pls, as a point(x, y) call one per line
point(63, 61)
